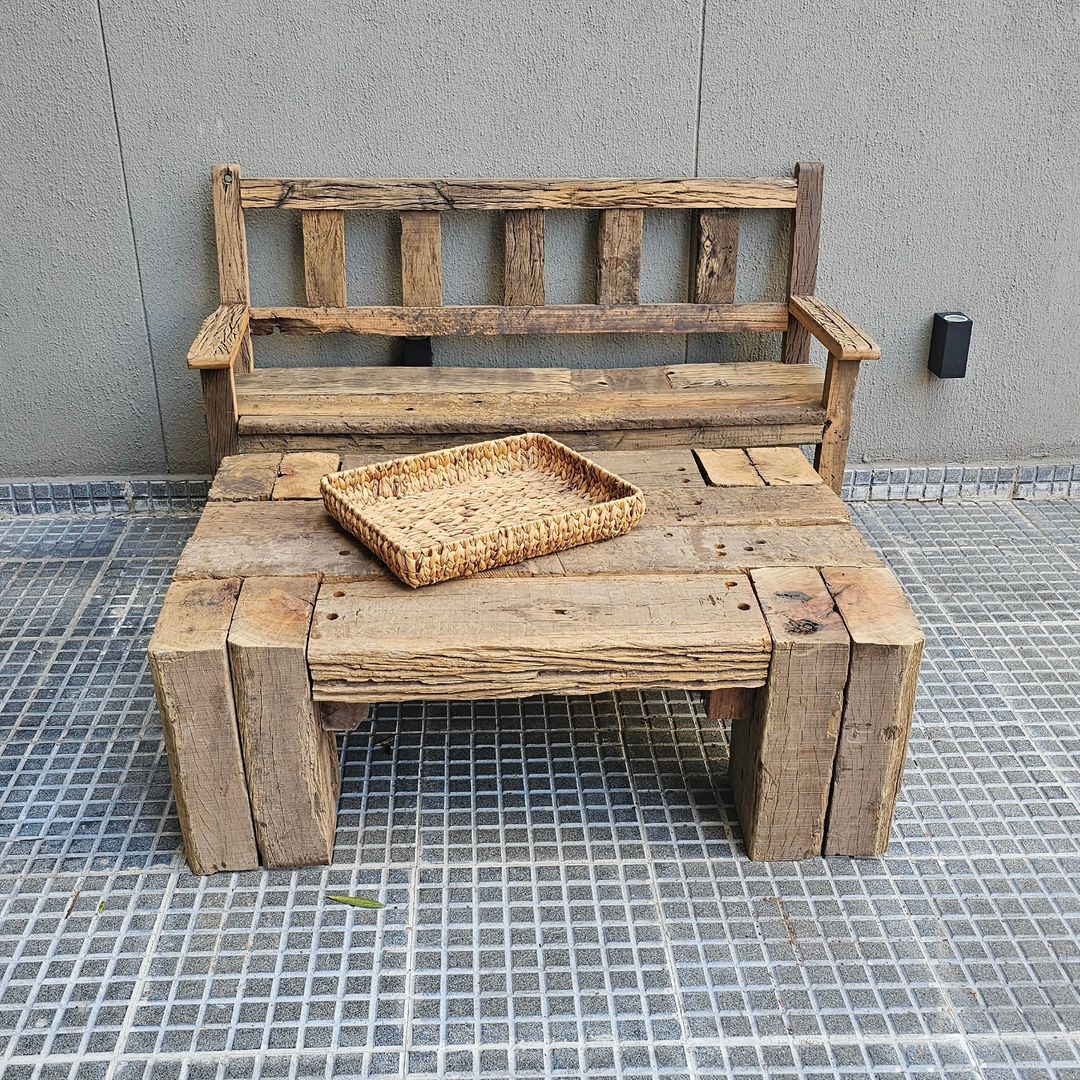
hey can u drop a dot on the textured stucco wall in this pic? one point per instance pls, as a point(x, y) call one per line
point(949, 132)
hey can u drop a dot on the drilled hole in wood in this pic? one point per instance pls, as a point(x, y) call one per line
point(339, 593)
point(669, 535)
point(332, 616)
point(686, 480)
point(748, 548)
point(680, 469)
point(345, 551)
point(561, 611)
point(744, 607)
point(731, 584)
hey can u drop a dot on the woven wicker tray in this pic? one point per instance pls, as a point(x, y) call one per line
point(456, 512)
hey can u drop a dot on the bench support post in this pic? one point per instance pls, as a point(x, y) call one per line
point(838, 399)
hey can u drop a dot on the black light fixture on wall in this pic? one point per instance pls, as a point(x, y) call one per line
point(949, 344)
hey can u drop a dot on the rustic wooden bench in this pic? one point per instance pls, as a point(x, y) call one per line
point(746, 579)
point(783, 403)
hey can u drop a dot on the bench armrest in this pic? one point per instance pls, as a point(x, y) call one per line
point(218, 341)
point(840, 336)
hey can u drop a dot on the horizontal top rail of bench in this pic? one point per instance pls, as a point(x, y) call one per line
point(772, 192)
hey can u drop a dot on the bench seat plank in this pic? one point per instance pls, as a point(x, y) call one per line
point(379, 401)
point(375, 641)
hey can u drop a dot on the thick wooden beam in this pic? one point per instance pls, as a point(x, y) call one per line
point(190, 666)
point(218, 343)
point(553, 319)
point(219, 404)
point(716, 255)
point(421, 259)
point(782, 758)
point(886, 650)
point(324, 258)
point(838, 398)
point(834, 330)
point(805, 240)
point(291, 762)
point(395, 194)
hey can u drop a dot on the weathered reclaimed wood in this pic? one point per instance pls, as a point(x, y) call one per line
point(190, 667)
point(324, 258)
point(421, 259)
point(300, 474)
point(528, 636)
point(782, 757)
point(253, 438)
point(479, 320)
point(805, 240)
point(244, 477)
point(342, 716)
point(291, 763)
point(886, 650)
point(217, 345)
point(618, 256)
point(219, 405)
point(748, 505)
point(298, 537)
point(838, 397)
point(728, 468)
point(833, 329)
point(780, 466)
point(716, 257)
point(734, 704)
point(233, 278)
point(778, 192)
point(523, 258)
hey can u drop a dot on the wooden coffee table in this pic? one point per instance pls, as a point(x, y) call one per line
point(746, 579)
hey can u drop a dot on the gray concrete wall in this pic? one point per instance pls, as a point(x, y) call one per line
point(949, 132)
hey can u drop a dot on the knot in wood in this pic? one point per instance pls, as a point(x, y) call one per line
point(803, 626)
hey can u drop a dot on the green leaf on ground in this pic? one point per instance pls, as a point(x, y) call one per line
point(356, 901)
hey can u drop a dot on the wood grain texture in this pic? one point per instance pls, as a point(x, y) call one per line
point(479, 320)
point(190, 667)
point(886, 650)
point(219, 404)
point(220, 337)
point(834, 330)
point(780, 466)
point(544, 194)
point(838, 397)
point(291, 763)
point(376, 401)
point(300, 474)
point(530, 636)
point(298, 537)
point(805, 241)
point(728, 468)
point(231, 236)
point(735, 704)
point(782, 757)
point(523, 258)
point(716, 258)
point(324, 258)
point(251, 438)
point(245, 477)
point(421, 259)
point(618, 256)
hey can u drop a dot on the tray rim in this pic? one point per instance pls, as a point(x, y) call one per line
point(330, 487)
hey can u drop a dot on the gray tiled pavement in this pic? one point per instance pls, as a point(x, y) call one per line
point(566, 894)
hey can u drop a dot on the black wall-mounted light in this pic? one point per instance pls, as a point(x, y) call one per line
point(949, 344)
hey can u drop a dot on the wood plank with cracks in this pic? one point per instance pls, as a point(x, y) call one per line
point(716, 257)
point(618, 256)
point(886, 651)
point(300, 474)
point(523, 258)
point(805, 241)
point(291, 762)
point(190, 666)
point(782, 757)
point(324, 258)
point(245, 477)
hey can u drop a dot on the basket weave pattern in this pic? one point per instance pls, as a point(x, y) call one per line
point(450, 513)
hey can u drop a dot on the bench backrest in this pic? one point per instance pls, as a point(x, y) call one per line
point(715, 204)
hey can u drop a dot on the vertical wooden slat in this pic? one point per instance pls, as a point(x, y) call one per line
point(838, 398)
point(421, 258)
point(523, 260)
point(805, 237)
point(291, 762)
point(234, 287)
point(190, 666)
point(782, 758)
point(886, 648)
point(735, 704)
point(618, 256)
point(324, 258)
point(716, 255)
